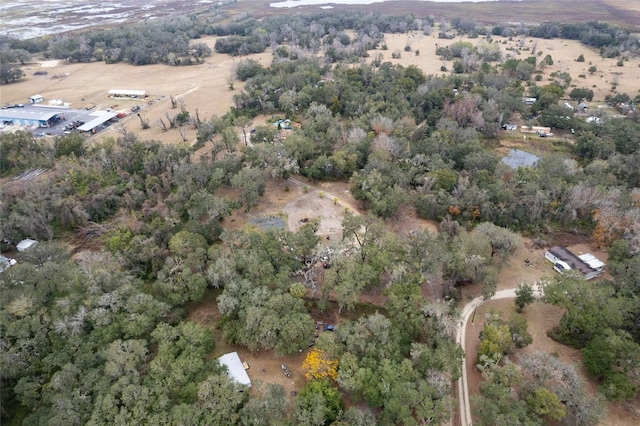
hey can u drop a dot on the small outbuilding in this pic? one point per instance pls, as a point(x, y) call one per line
point(26, 244)
point(36, 99)
point(235, 368)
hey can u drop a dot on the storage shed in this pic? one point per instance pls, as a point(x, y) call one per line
point(25, 244)
point(235, 368)
point(35, 99)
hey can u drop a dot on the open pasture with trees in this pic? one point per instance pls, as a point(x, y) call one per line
point(150, 236)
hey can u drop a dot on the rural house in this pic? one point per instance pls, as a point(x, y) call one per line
point(565, 260)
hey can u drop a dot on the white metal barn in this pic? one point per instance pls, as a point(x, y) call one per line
point(126, 93)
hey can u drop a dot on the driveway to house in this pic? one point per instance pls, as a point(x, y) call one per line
point(469, 308)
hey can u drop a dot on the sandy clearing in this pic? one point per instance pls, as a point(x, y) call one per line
point(563, 52)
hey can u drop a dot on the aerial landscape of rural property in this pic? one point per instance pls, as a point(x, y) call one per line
point(309, 212)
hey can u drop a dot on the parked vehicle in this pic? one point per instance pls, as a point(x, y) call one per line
point(285, 370)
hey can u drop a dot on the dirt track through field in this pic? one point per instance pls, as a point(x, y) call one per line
point(467, 311)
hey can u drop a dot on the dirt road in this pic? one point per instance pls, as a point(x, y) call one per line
point(467, 311)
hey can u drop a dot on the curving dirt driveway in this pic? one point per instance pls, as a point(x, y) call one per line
point(469, 308)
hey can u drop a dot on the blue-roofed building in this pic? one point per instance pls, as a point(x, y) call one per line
point(30, 117)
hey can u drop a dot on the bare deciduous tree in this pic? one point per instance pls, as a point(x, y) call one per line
point(465, 112)
point(172, 120)
point(197, 121)
point(162, 124)
point(144, 122)
point(183, 134)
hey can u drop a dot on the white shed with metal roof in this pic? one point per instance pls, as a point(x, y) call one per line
point(126, 93)
point(25, 244)
point(235, 368)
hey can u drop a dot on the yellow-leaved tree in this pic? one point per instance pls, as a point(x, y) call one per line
point(319, 365)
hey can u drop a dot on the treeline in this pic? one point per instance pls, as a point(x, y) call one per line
point(168, 40)
point(162, 41)
point(596, 34)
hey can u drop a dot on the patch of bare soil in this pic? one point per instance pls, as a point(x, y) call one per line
point(406, 220)
point(527, 265)
point(296, 200)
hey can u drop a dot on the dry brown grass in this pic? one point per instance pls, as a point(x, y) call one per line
point(563, 52)
point(204, 87)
